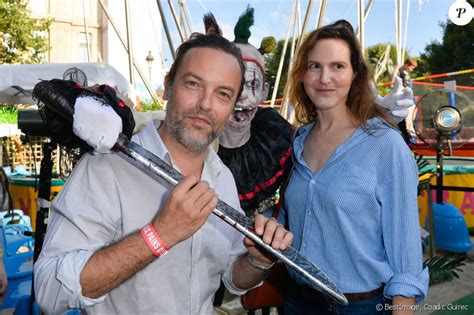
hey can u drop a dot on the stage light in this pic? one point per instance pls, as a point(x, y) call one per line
point(447, 120)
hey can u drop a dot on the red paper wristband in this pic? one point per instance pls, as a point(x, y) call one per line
point(153, 240)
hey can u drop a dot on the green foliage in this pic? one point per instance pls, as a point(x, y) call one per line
point(8, 114)
point(374, 54)
point(453, 53)
point(444, 268)
point(22, 39)
point(150, 105)
point(272, 61)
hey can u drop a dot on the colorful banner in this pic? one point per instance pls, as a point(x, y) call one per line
point(462, 200)
point(25, 195)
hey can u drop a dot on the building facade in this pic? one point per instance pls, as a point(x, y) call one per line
point(104, 22)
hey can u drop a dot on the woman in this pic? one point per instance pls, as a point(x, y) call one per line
point(351, 201)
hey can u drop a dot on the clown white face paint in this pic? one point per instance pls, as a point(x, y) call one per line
point(237, 128)
point(251, 97)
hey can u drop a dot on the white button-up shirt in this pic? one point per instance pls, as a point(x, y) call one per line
point(106, 199)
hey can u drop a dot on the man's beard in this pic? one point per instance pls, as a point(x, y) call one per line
point(190, 137)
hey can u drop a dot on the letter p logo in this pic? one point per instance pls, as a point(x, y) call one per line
point(460, 12)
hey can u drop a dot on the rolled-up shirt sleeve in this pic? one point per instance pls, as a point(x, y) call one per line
point(229, 284)
point(238, 249)
point(228, 274)
point(57, 284)
point(82, 220)
point(401, 231)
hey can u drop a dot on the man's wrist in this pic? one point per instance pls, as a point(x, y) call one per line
point(259, 266)
point(156, 245)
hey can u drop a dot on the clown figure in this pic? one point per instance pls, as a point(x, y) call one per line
point(255, 144)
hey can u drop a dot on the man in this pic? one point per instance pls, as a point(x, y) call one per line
point(403, 74)
point(405, 70)
point(102, 254)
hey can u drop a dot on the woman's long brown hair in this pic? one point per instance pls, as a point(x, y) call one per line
point(360, 100)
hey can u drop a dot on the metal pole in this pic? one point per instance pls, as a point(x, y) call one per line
point(188, 17)
point(298, 17)
point(321, 9)
point(185, 17)
point(399, 22)
point(430, 220)
point(293, 52)
point(368, 8)
point(439, 171)
point(360, 6)
point(182, 22)
point(176, 21)
point(406, 31)
point(283, 53)
point(398, 31)
point(87, 31)
point(293, 45)
point(305, 23)
point(44, 197)
point(284, 107)
point(137, 66)
point(129, 44)
point(165, 26)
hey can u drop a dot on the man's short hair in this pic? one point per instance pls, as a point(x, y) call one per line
point(213, 41)
point(411, 62)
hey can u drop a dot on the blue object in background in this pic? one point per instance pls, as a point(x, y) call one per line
point(450, 229)
point(20, 170)
point(18, 261)
point(17, 241)
point(7, 169)
point(24, 307)
point(14, 216)
point(452, 99)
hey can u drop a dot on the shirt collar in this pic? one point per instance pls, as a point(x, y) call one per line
point(153, 142)
point(212, 163)
point(361, 132)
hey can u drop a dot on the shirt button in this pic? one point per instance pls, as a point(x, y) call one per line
point(304, 244)
point(312, 182)
point(308, 212)
point(194, 308)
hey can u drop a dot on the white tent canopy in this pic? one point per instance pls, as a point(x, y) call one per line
point(17, 81)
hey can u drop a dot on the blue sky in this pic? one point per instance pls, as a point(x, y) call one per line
point(271, 18)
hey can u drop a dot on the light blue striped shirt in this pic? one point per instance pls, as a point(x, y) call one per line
point(357, 216)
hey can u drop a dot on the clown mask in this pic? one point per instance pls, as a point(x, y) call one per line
point(255, 89)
